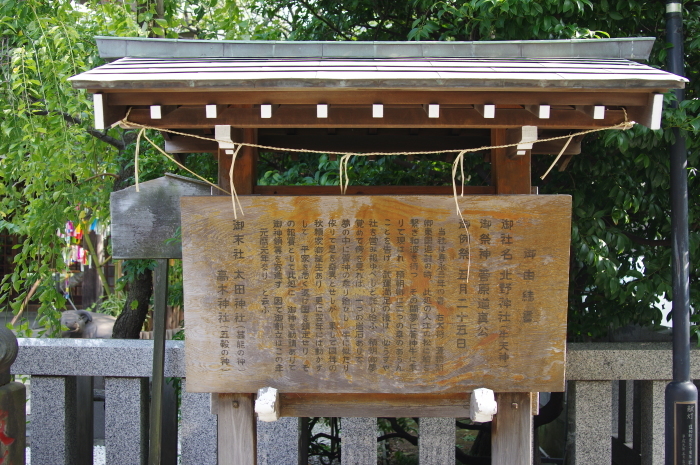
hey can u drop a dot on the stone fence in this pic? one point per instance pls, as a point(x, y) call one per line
point(615, 401)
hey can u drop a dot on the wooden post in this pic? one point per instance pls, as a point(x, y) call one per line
point(237, 429)
point(237, 426)
point(511, 434)
point(511, 430)
point(509, 176)
point(160, 301)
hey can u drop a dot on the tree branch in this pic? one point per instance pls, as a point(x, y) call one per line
point(324, 20)
point(73, 120)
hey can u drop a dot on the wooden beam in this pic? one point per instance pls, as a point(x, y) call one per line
point(237, 429)
point(524, 136)
point(555, 146)
point(509, 176)
point(367, 97)
point(305, 117)
point(183, 144)
point(378, 405)
point(511, 429)
point(370, 190)
point(593, 111)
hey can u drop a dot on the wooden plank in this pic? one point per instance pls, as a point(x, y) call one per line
point(323, 306)
point(376, 405)
point(84, 413)
point(509, 176)
point(184, 96)
point(160, 302)
point(511, 430)
point(143, 221)
point(237, 429)
point(371, 190)
point(304, 116)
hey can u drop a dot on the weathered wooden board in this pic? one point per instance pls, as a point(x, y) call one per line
point(143, 221)
point(363, 294)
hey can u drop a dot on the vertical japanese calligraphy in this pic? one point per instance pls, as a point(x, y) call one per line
point(376, 294)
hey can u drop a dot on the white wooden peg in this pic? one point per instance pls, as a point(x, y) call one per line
point(322, 110)
point(156, 112)
point(541, 111)
point(377, 110)
point(98, 105)
point(267, 404)
point(482, 405)
point(488, 110)
point(266, 110)
point(432, 109)
point(211, 111)
point(222, 133)
point(599, 112)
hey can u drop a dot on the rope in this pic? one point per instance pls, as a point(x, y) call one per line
point(344, 179)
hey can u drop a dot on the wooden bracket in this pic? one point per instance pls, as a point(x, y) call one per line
point(159, 111)
point(106, 115)
point(594, 111)
point(213, 111)
point(649, 115)
point(524, 136)
point(222, 133)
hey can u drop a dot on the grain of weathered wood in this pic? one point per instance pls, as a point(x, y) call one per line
point(232, 293)
point(511, 430)
point(375, 405)
point(143, 221)
point(236, 429)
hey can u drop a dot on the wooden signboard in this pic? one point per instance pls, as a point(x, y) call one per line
point(376, 294)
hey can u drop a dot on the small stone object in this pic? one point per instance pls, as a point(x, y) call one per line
point(482, 406)
point(267, 404)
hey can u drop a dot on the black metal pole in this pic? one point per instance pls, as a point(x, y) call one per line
point(681, 393)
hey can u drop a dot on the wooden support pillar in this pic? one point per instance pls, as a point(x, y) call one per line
point(245, 172)
point(509, 176)
point(512, 428)
point(237, 427)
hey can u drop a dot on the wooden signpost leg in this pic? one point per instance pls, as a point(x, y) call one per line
point(160, 301)
point(511, 430)
point(237, 430)
point(237, 426)
point(511, 436)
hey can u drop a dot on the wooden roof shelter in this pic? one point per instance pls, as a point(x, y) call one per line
point(380, 97)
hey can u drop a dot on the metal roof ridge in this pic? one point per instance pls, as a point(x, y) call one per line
point(637, 48)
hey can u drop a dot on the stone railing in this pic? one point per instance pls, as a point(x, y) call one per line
point(615, 407)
